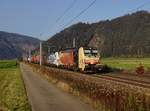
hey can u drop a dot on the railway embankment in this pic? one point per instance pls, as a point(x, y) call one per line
point(102, 93)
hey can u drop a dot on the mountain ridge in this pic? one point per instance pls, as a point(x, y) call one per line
point(13, 45)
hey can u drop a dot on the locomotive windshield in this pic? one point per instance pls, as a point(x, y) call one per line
point(87, 51)
point(95, 52)
point(90, 52)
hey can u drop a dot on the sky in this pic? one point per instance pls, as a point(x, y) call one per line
point(37, 18)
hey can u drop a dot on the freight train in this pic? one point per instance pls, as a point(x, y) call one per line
point(72, 58)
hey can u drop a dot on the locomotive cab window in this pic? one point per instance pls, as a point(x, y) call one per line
point(95, 53)
point(87, 53)
point(91, 53)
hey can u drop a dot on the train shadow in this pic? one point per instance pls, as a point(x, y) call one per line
point(104, 69)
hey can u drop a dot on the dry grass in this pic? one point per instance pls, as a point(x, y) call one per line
point(105, 95)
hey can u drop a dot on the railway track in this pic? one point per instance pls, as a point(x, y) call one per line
point(125, 80)
point(129, 79)
point(143, 75)
point(138, 83)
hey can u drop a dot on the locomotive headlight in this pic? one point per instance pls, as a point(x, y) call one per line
point(92, 62)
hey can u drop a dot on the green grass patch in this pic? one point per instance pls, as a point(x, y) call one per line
point(8, 64)
point(126, 63)
point(12, 92)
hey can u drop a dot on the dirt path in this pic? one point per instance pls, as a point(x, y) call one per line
point(44, 96)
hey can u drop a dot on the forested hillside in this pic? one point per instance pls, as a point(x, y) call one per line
point(126, 36)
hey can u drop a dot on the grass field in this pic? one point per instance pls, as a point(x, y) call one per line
point(126, 63)
point(12, 92)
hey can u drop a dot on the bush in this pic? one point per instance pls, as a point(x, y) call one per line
point(140, 69)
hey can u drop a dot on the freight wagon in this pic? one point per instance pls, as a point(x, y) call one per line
point(68, 58)
point(53, 59)
point(35, 58)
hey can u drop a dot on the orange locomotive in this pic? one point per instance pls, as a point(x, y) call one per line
point(82, 58)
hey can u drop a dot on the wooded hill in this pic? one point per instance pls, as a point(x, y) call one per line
point(125, 36)
point(13, 45)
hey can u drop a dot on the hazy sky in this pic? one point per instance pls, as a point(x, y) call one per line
point(38, 17)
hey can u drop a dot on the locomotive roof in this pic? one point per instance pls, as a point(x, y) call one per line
point(68, 49)
point(77, 48)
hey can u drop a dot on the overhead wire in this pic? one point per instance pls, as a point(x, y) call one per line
point(92, 3)
point(80, 13)
point(84, 10)
point(137, 8)
point(62, 15)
